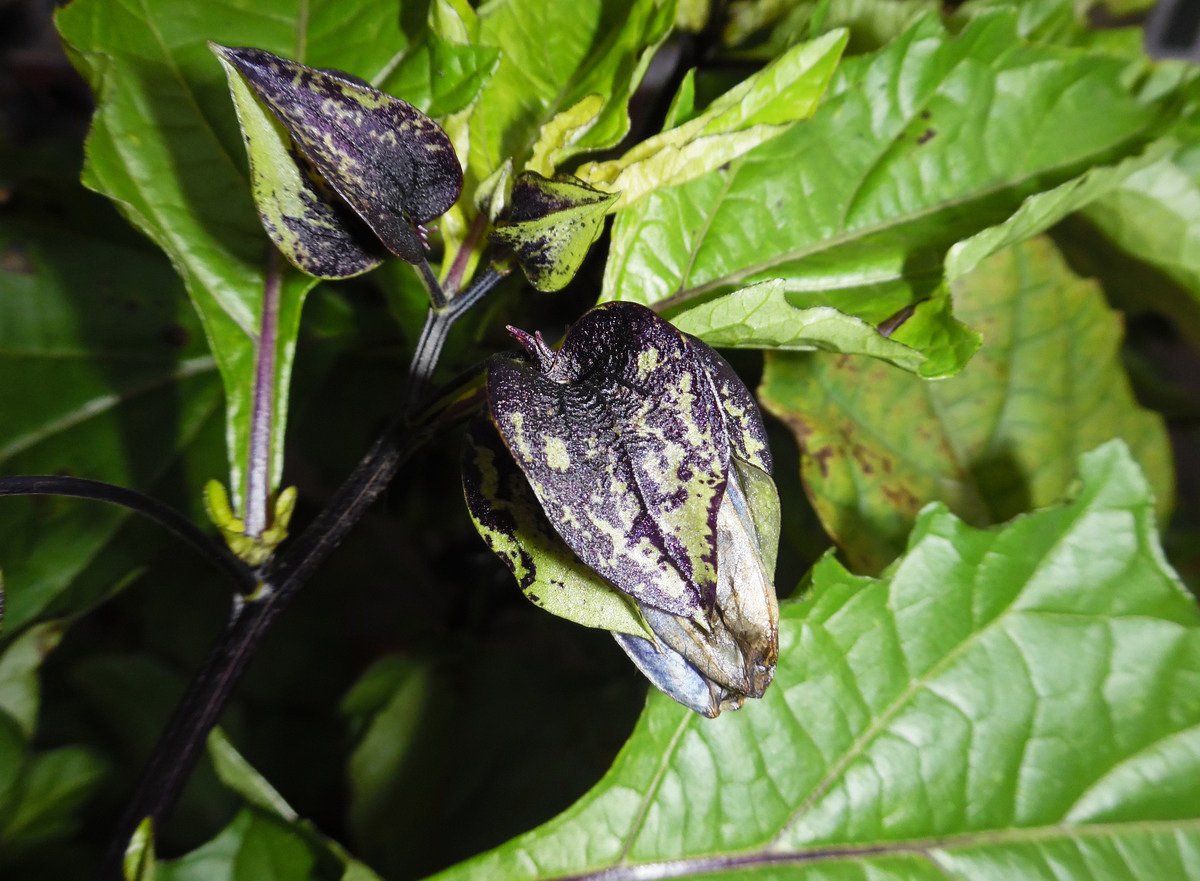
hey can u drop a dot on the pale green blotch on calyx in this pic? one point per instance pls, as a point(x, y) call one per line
point(551, 225)
point(250, 549)
point(306, 220)
point(508, 517)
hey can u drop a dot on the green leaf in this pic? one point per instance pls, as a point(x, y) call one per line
point(772, 25)
point(1038, 213)
point(106, 376)
point(52, 787)
point(596, 48)
point(441, 77)
point(551, 225)
point(19, 689)
point(164, 145)
point(507, 514)
point(554, 55)
point(239, 775)
point(393, 165)
point(251, 848)
point(1016, 702)
point(756, 110)
point(305, 219)
point(139, 860)
point(856, 208)
point(995, 441)
point(760, 317)
point(1154, 217)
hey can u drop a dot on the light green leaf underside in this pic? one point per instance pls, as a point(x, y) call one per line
point(756, 110)
point(760, 317)
point(910, 153)
point(996, 440)
point(164, 145)
point(995, 708)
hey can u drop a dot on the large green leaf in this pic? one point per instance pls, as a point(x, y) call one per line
point(106, 376)
point(992, 442)
point(1010, 703)
point(913, 152)
point(165, 147)
point(755, 110)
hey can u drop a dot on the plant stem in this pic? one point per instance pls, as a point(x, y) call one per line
point(262, 413)
point(163, 515)
point(180, 746)
point(454, 278)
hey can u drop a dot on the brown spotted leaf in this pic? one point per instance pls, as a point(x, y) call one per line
point(999, 439)
point(623, 441)
point(392, 164)
point(551, 226)
point(509, 519)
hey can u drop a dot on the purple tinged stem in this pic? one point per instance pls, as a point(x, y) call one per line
point(262, 414)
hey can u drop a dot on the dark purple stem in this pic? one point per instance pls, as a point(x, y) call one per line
point(262, 414)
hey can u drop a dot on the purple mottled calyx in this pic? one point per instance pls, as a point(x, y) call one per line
point(622, 438)
point(389, 162)
point(647, 456)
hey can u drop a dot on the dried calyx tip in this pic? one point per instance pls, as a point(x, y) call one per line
point(535, 345)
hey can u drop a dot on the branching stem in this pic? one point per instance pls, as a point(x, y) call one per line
point(180, 746)
point(163, 515)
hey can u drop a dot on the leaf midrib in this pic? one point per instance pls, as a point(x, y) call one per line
point(916, 847)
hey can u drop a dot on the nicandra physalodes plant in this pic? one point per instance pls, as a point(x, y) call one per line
point(633, 461)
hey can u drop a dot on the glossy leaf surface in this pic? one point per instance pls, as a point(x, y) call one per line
point(856, 208)
point(752, 112)
point(106, 376)
point(992, 442)
point(1016, 701)
point(760, 317)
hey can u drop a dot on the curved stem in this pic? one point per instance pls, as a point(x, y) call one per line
point(163, 515)
point(180, 746)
